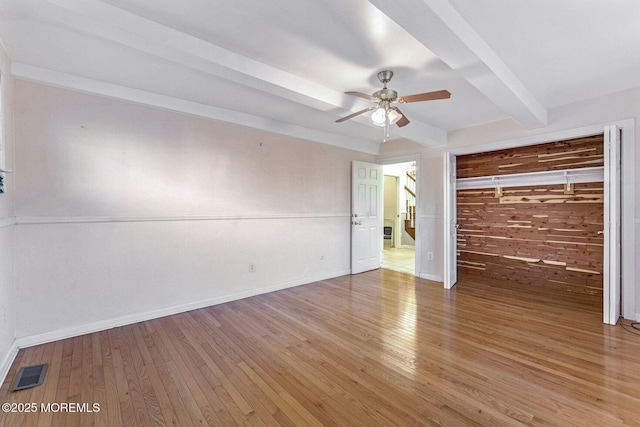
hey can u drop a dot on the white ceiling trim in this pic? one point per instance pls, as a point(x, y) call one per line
point(440, 28)
point(82, 84)
point(117, 25)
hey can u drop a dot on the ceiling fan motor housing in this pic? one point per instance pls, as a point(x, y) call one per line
point(385, 95)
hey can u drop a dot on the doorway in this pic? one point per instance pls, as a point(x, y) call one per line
point(399, 219)
point(619, 247)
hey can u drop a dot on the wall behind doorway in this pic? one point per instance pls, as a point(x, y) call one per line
point(391, 213)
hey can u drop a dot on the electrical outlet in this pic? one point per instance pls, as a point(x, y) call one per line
point(252, 267)
point(430, 256)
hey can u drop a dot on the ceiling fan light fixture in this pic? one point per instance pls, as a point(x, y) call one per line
point(379, 116)
point(384, 114)
point(394, 116)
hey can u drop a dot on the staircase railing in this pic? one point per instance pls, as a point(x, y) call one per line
point(410, 197)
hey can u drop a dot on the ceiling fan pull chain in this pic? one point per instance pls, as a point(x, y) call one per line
point(386, 128)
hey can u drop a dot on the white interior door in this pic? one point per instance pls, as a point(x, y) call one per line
point(612, 237)
point(450, 222)
point(366, 216)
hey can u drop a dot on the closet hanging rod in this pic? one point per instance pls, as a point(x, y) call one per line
point(580, 175)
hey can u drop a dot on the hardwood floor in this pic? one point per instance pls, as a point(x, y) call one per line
point(375, 349)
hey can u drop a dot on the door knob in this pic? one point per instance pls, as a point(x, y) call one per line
point(357, 223)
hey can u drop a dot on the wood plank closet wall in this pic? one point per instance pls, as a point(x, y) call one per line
point(569, 154)
point(535, 235)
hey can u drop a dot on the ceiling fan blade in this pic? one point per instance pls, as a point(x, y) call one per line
point(427, 96)
point(350, 116)
point(360, 95)
point(403, 120)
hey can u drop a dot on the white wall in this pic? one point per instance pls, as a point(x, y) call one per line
point(8, 298)
point(602, 110)
point(390, 212)
point(127, 212)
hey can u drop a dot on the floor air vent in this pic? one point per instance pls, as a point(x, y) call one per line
point(29, 376)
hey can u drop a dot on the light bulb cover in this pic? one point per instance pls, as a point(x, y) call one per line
point(379, 116)
point(394, 116)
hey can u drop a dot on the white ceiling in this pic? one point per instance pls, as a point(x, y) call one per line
point(284, 65)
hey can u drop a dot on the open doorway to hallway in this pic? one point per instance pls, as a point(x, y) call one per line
point(399, 244)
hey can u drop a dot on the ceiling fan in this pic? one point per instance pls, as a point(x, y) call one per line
point(384, 113)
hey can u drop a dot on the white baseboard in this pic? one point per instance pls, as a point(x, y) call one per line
point(431, 277)
point(75, 331)
point(6, 363)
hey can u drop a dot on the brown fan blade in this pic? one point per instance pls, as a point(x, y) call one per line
point(427, 96)
point(360, 95)
point(350, 116)
point(403, 120)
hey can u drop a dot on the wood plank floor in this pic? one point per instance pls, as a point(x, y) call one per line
point(375, 349)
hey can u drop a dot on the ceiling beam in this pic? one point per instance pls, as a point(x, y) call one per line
point(120, 26)
point(441, 29)
point(137, 96)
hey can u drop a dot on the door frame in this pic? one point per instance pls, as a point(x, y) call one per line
point(612, 247)
point(627, 186)
point(408, 159)
point(450, 221)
